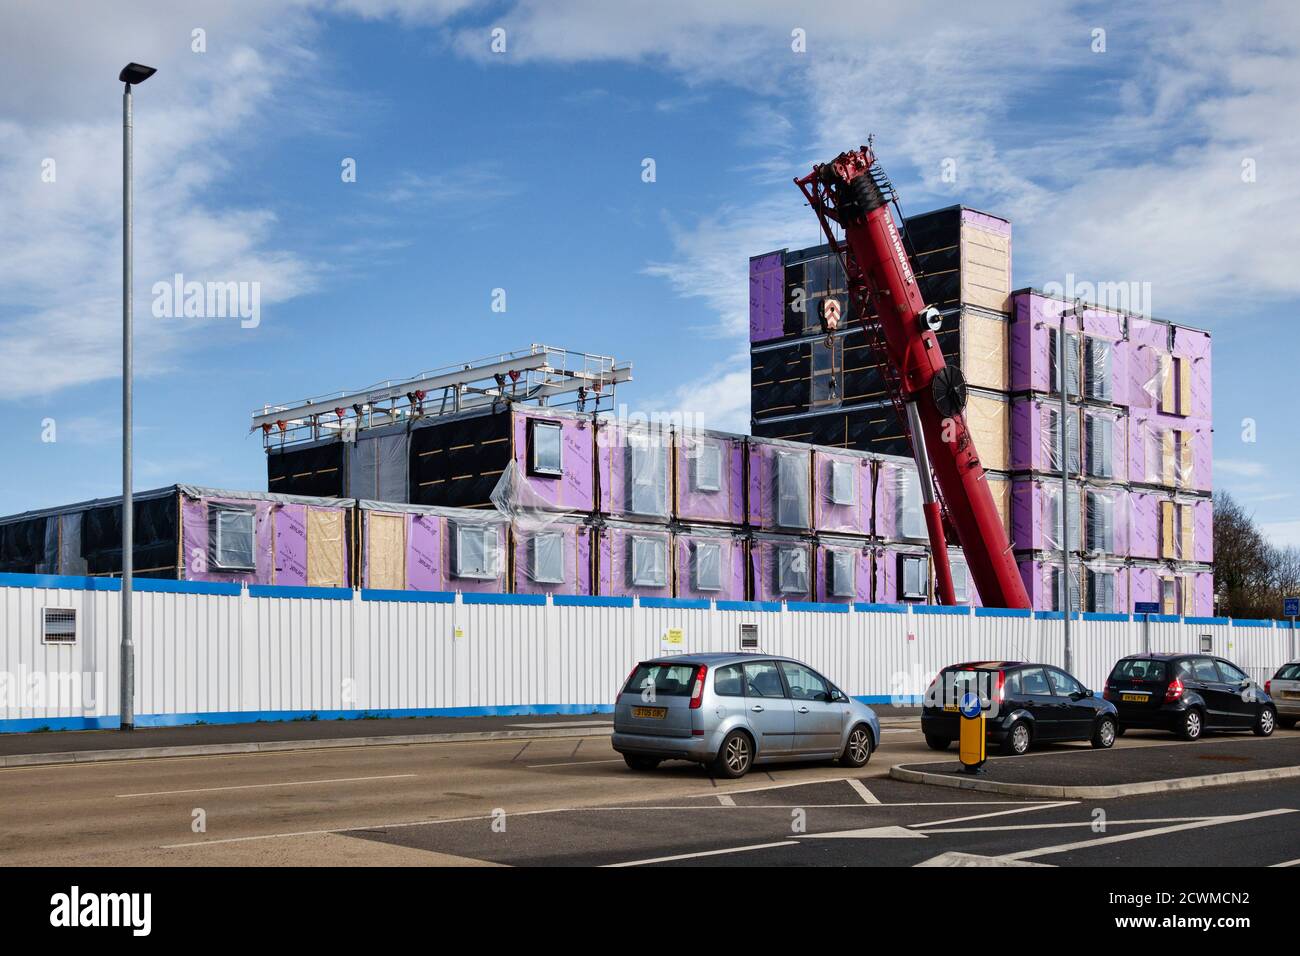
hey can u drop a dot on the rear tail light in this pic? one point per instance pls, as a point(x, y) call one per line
point(1002, 687)
point(1268, 687)
point(1109, 692)
point(697, 692)
point(1174, 690)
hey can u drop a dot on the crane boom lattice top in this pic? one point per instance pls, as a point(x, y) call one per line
point(929, 395)
point(537, 375)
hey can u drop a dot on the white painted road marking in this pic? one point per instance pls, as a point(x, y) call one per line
point(597, 724)
point(571, 763)
point(1023, 808)
point(866, 795)
point(1057, 826)
point(257, 786)
point(693, 856)
point(725, 800)
point(868, 833)
point(1158, 831)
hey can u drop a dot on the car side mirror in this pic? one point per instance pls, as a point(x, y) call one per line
point(834, 696)
point(1079, 694)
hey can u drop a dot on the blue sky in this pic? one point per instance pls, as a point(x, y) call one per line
point(522, 170)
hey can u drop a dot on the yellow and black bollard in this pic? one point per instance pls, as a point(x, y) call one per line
point(972, 741)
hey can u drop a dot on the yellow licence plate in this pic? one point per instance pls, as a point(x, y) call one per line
point(1136, 698)
point(950, 709)
point(654, 713)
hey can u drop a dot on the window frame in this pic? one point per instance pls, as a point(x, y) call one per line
point(845, 468)
point(904, 561)
point(661, 552)
point(491, 555)
point(217, 511)
point(714, 452)
point(797, 551)
point(536, 469)
point(697, 582)
point(534, 540)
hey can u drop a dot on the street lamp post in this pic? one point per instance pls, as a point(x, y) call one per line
point(132, 73)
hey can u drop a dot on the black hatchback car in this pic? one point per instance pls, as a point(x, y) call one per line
point(1188, 694)
point(1027, 704)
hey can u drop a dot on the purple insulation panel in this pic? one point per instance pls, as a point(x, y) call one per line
point(782, 568)
point(634, 561)
point(843, 572)
point(895, 564)
point(1203, 593)
point(573, 489)
point(1147, 342)
point(424, 567)
point(1203, 534)
point(766, 297)
point(1029, 573)
point(1144, 585)
point(554, 558)
point(200, 557)
point(986, 222)
point(1144, 524)
point(897, 513)
point(842, 492)
point(1195, 346)
point(290, 528)
point(1026, 435)
point(709, 565)
point(1035, 321)
point(1153, 460)
point(710, 478)
point(779, 485)
point(634, 470)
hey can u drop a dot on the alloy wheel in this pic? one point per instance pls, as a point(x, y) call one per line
point(738, 754)
point(1193, 724)
point(1266, 721)
point(1020, 739)
point(859, 745)
point(1107, 733)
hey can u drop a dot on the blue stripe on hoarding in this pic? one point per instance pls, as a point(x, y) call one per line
point(1104, 616)
point(473, 597)
point(748, 605)
point(590, 600)
point(33, 724)
point(168, 586)
point(67, 582)
point(881, 608)
point(683, 604)
point(288, 591)
point(940, 609)
point(408, 597)
point(1207, 620)
point(823, 606)
point(1003, 612)
point(1249, 622)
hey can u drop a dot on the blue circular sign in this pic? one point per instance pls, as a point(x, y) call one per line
point(970, 705)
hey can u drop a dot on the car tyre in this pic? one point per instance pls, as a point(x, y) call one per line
point(857, 751)
point(735, 756)
point(640, 761)
point(1019, 737)
point(935, 742)
point(1193, 725)
point(1103, 736)
point(1266, 723)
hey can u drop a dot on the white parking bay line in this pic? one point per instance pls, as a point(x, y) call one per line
point(597, 724)
point(1141, 834)
point(695, 856)
point(256, 786)
point(1287, 863)
point(725, 800)
point(570, 763)
point(1023, 808)
point(866, 795)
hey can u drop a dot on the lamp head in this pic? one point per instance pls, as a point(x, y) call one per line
point(134, 73)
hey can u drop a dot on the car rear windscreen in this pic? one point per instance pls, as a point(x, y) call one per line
point(668, 680)
point(1288, 672)
point(1139, 668)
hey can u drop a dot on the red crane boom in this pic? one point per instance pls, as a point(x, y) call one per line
point(928, 394)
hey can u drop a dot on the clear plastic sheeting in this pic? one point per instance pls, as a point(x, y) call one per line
point(70, 558)
point(1054, 585)
point(1167, 455)
point(913, 576)
point(1072, 362)
point(1049, 498)
point(647, 474)
point(1103, 448)
point(477, 547)
point(545, 564)
point(909, 516)
point(792, 569)
point(1170, 384)
point(1050, 438)
point(962, 588)
point(843, 483)
point(792, 489)
point(1177, 526)
point(515, 498)
point(1105, 520)
point(841, 577)
point(231, 537)
point(1098, 368)
point(1104, 592)
point(648, 555)
point(706, 565)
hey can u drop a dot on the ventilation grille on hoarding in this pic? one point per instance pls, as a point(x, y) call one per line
point(749, 637)
point(59, 625)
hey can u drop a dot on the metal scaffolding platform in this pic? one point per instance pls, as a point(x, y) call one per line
point(538, 375)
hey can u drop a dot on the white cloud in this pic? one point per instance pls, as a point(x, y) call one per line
point(1242, 469)
point(1283, 533)
point(718, 400)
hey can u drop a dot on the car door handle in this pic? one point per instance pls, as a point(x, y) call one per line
point(803, 710)
point(757, 708)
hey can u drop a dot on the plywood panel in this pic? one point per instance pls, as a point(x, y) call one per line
point(325, 565)
point(984, 351)
point(985, 269)
point(986, 418)
point(386, 551)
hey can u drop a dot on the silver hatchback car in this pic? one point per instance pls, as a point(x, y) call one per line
point(732, 711)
